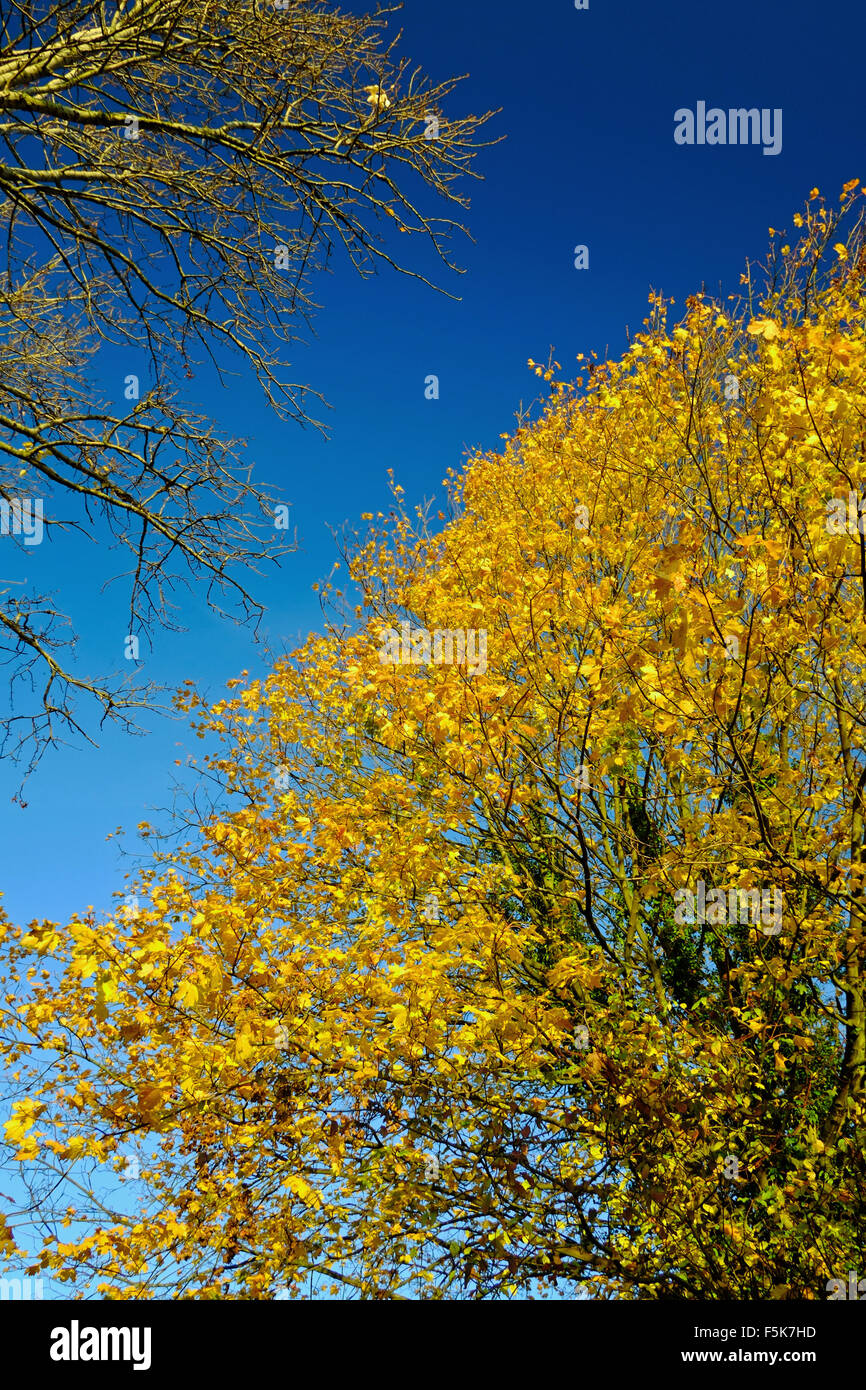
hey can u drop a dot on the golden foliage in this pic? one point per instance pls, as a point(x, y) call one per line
point(414, 1012)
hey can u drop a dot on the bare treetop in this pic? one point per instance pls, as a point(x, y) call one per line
point(173, 172)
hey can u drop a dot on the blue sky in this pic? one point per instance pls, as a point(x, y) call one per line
point(588, 101)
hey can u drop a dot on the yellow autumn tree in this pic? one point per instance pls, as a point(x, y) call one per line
point(521, 945)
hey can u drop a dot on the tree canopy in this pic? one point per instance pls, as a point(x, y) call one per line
point(539, 967)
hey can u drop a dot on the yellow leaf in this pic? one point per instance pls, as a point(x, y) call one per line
point(764, 328)
point(303, 1190)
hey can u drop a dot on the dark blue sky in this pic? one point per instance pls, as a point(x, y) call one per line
point(588, 101)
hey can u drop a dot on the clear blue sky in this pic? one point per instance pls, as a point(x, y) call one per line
point(588, 101)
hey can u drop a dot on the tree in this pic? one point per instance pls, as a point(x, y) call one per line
point(174, 172)
point(529, 962)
